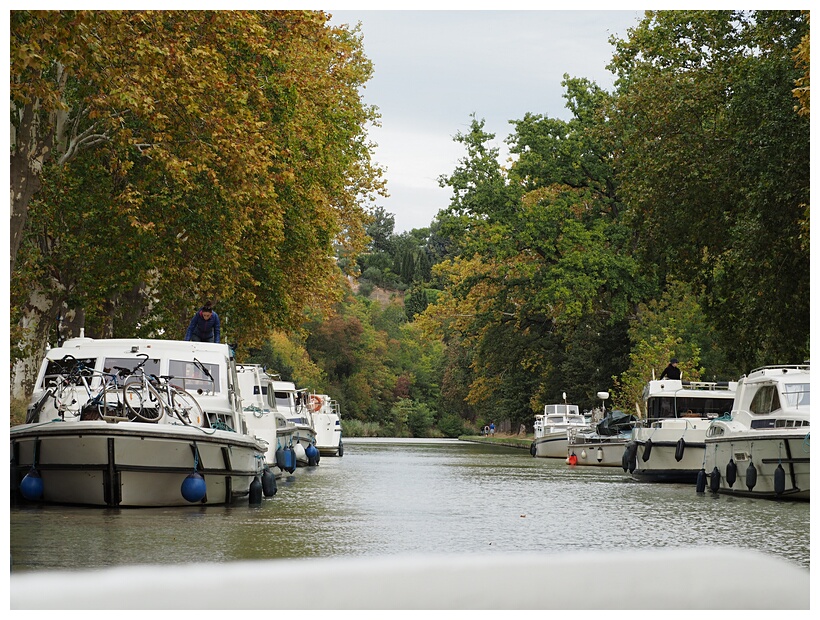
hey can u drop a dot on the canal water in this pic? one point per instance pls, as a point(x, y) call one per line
point(389, 497)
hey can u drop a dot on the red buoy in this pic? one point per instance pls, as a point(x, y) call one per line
point(572, 460)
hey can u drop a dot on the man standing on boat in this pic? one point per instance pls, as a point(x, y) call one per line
point(204, 326)
point(672, 371)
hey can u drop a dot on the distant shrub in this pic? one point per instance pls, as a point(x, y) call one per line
point(366, 287)
point(357, 428)
point(451, 425)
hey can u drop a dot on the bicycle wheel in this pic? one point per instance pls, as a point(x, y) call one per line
point(138, 405)
point(186, 408)
point(109, 402)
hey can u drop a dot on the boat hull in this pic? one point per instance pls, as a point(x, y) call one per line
point(662, 464)
point(600, 453)
point(767, 450)
point(304, 436)
point(131, 464)
point(552, 445)
point(328, 434)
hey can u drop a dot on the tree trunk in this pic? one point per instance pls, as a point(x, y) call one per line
point(38, 319)
point(27, 157)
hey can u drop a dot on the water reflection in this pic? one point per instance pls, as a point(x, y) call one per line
point(394, 497)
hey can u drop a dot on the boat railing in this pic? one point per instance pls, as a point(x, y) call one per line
point(806, 367)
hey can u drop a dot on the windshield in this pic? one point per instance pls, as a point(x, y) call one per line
point(189, 376)
point(797, 394)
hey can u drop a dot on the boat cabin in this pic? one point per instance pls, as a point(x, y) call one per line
point(673, 398)
point(292, 402)
point(558, 417)
point(206, 370)
point(775, 397)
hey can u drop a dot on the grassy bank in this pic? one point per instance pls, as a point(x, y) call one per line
point(509, 441)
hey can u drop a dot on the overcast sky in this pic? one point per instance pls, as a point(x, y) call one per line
point(433, 69)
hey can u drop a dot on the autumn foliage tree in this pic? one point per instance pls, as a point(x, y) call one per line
point(229, 161)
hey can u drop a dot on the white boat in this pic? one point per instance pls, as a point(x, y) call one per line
point(439, 581)
point(295, 405)
point(82, 445)
point(603, 445)
point(762, 448)
point(552, 427)
point(264, 418)
point(328, 425)
point(668, 445)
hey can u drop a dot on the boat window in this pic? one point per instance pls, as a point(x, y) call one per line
point(766, 423)
point(797, 394)
point(765, 400)
point(110, 364)
point(283, 399)
point(57, 368)
point(675, 407)
point(189, 376)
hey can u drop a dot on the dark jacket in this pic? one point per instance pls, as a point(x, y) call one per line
point(672, 372)
point(203, 330)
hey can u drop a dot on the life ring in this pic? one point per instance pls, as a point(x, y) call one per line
point(315, 403)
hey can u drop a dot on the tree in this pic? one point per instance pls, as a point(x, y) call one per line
point(713, 164)
point(541, 260)
point(234, 165)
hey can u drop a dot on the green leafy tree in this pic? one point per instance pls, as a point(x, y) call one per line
point(419, 420)
point(713, 162)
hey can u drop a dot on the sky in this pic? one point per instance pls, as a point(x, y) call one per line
point(433, 69)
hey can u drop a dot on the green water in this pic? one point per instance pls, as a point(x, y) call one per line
point(409, 496)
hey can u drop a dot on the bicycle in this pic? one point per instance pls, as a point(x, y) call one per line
point(98, 404)
point(154, 397)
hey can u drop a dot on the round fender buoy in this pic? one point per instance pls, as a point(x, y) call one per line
point(679, 449)
point(32, 485)
point(647, 450)
point(532, 448)
point(701, 485)
point(255, 491)
point(751, 476)
point(779, 479)
point(572, 460)
point(312, 455)
point(731, 472)
point(584, 454)
point(714, 480)
point(280, 459)
point(268, 483)
point(299, 452)
point(193, 487)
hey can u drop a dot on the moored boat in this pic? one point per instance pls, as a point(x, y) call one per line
point(602, 446)
point(552, 430)
point(264, 418)
point(136, 422)
point(294, 404)
point(327, 424)
point(668, 444)
point(762, 448)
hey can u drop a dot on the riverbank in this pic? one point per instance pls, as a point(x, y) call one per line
point(508, 441)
